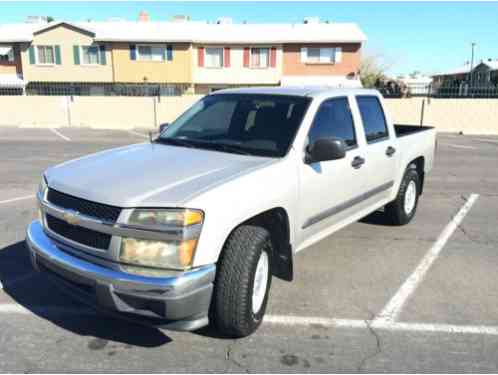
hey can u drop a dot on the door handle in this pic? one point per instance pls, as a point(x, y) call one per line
point(390, 151)
point(357, 162)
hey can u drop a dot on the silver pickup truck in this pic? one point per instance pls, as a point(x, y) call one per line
point(189, 229)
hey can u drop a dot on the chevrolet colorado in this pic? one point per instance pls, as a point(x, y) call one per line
point(189, 229)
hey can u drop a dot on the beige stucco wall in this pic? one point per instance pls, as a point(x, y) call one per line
point(236, 74)
point(470, 116)
point(66, 38)
point(177, 70)
point(95, 112)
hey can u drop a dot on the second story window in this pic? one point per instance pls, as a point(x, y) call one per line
point(6, 54)
point(321, 55)
point(151, 53)
point(214, 57)
point(90, 55)
point(45, 55)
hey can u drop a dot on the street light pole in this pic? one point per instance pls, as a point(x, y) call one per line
point(472, 65)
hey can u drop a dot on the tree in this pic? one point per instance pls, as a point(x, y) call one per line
point(50, 19)
point(372, 69)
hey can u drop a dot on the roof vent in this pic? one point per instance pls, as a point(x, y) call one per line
point(311, 20)
point(180, 18)
point(143, 16)
point(37, 19)
point(224, 21)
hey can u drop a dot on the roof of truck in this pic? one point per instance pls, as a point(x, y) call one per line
point(308, 91)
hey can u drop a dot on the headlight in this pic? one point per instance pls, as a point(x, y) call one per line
point(173, 254)
point(42, 187)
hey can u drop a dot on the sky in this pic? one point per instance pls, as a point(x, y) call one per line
point(429, 37)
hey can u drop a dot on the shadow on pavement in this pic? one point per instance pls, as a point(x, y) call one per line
point(376, 218)
point(34, 292)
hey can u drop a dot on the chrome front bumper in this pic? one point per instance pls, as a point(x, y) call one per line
point(179, 302)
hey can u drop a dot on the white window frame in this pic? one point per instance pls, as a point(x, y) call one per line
point(151, 46)
point(251, 65)
point(37, 59)
point(82, 55)
point(327, 55)
point(10, 56)
point(222, 59)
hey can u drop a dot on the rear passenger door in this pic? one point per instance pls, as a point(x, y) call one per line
point(330, 189)
point(380, 151)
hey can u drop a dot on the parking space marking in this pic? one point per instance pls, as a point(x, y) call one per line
point(14, 308)
point(17, 199)
point(393, 308)
point(56, 132)
point(380, 325)
point(137, 133)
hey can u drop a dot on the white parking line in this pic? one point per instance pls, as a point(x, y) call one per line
point(380, 325)
point(17, 199)
point(14, 308)
point(137, 133)
point(56, 132)
point(393, 308)
point(288, 320)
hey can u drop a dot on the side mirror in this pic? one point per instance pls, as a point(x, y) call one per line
point(163, 126)
point(324, 149)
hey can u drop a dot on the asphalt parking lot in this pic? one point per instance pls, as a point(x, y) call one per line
point(419, 298)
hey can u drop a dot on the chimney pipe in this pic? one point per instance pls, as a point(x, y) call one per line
point(143, 16)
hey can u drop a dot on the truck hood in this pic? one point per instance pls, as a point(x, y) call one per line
point(148, 175)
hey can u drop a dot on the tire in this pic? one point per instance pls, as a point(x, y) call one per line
point(233, 311)
point(402, 210)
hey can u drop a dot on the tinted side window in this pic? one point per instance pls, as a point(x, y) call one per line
point(373, 118)
point(334, 119)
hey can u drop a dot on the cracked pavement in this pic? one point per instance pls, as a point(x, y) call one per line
point(350, 275)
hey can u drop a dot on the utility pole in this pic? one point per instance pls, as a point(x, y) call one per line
point(472, 65)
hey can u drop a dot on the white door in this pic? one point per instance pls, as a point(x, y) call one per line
point(330, 190)
point(380, 150)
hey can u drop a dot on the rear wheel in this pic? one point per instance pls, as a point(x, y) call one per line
point(242, 282)
point(402, 210)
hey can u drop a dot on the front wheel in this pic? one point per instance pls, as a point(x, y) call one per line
point(242, 282)
point(402, 210)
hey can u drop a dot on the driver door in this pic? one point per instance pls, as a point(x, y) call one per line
point(329, 189)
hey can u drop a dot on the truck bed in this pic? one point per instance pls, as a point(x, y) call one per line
point(404, 129)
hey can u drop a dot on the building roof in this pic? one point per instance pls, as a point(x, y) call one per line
point(493, 65)
point(197, 32)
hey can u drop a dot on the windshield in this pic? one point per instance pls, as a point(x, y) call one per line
point(252, 124)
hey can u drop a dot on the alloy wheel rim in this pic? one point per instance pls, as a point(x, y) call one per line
point(260, 282)
point(410, 197)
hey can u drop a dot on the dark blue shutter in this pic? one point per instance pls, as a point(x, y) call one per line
point(133, 52)
point(169, 52)
point(102, 54)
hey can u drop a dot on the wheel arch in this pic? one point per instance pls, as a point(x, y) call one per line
point(419, 165)
point(276, 221)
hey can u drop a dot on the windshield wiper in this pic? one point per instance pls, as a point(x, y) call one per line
point(224, 147)
point(174, 142)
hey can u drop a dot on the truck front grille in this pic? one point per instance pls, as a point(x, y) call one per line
point(78, 234)
point(89, 208)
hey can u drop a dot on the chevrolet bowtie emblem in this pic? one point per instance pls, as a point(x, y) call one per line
point(71, 218)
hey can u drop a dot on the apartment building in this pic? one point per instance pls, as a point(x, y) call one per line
point(173, 58)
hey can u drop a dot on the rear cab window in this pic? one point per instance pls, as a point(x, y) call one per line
point(373, 118)
point(334, 119)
